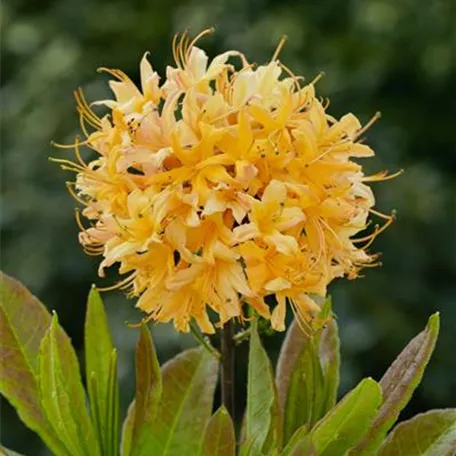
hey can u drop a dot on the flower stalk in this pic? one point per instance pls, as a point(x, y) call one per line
point(204, 342)
point(227, 349)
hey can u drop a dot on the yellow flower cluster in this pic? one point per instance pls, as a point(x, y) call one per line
point(222, 186)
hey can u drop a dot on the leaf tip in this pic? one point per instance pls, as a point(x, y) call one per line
point(55, 319)
point(94, 294)
point(223, 411)
point(434, 323)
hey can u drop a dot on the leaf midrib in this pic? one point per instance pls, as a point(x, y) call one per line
point(53, 382)
point(347, 416)
point(181, 406)
point(22, 351)
point(249, 394)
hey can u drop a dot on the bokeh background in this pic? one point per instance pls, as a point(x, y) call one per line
point(396, 56)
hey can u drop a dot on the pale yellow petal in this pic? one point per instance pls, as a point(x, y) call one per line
point(245, 232)
point(277, 284)
point(283, 243)
point(276, 191)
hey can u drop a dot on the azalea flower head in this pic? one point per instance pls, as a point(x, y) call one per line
point(220, 185)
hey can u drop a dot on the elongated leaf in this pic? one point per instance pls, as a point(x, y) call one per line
point(306, 391)
point(148, 392)
point(398, 384)
point(330, 362)
point(308, 372)
point(344, 425)
point(101, 384)
point(112, 411)
point(429, 434)
point(293, 345)
point(262, 418)
point(62, 393)
point(127, 431)
point(189, 382)
point(23, 323)
point(294, 441)
point(296, 341)
point(5, 452)
point(306, 450)
point(219, 439)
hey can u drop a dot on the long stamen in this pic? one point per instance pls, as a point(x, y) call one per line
point(116, 73)
point(77, 216)
point(369, 124)
point(296, 84)
point(279, 47)
point(78, 154)
point(93, 252)
point(144, 320)
point(70, 188)
point(82, 125)
point(382, 176)
point(389, 220)
point(323, 154)
point(207, 31)
point(68, 146)
point(381, 214)
point(120, 284)
point(303, 324)
point(85, 110)
point(174, 48)
point(67, 164)
point(181, 48)
point(318, 77)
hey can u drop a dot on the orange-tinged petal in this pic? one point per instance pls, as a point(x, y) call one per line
point(222, 186)
point(184, 277)
point(278, 314)
point(260, 306)
point(257, 276)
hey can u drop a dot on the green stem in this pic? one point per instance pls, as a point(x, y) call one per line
point(227, 344)
point(204, 342)
point(241, 336)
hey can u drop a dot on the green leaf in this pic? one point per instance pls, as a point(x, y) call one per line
point(429, 434)
point(308, 372)
point(329, 355)
point(5, 452)
point(306, 391)
point(189, 382)
point(127, 431)
point(293, 345)
point(23, 322)
point(62, 393)
point(262, 418)
point(294, 441)
point(112, 412)
point(101, 374)
point(219, 439)
point(148, 392)
point(398, 384)
point(345, 424)
point(306, 450)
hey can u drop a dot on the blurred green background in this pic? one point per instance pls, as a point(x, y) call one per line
point(396, 56)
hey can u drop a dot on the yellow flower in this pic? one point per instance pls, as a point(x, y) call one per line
point(219, 187)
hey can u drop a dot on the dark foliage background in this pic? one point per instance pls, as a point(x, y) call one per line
point(396, 56)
